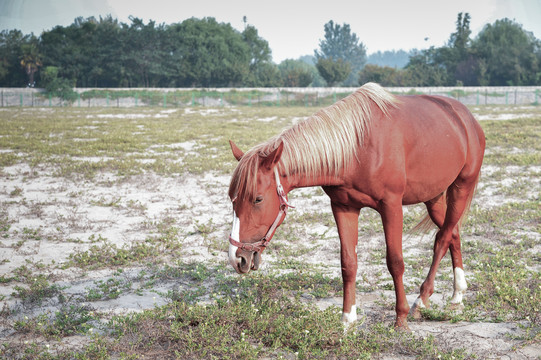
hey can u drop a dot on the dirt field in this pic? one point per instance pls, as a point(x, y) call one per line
point(107, 212)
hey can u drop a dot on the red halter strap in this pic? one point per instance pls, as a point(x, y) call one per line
point(261, 244)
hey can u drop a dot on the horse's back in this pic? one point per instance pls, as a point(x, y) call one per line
point(466, 127)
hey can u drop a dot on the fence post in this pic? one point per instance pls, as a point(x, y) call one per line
point(506, 98)
point(21, 99)
point(79, 99)
point(135, 99)
point(164, 99)
point(250, 99)
point(477, 97)
point(107, 99)
point(193, 99)
point(278, 98)
point(50, 100)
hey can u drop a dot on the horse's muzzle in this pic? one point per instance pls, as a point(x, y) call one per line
point(249, 260)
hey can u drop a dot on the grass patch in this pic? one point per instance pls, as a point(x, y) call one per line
point(68, 321)
point(36, 286)
point(107, 255)
point(513, 142)
point(260, 323)
point(505, 287)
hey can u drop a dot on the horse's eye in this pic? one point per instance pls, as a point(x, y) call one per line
point(258, 200)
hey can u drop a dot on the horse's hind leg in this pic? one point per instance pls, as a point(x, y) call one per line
point(447, 219)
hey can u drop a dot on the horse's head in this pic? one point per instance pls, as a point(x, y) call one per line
point(259, 206)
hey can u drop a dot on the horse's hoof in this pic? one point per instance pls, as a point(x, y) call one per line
point(456, 306)
point(415, 313)
point(401, 325)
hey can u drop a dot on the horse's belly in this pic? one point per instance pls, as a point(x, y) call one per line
point(429, 174)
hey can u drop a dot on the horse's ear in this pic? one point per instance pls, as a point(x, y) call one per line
point(272, 159)
point(237, 153)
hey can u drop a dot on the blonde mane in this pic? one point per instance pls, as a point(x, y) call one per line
point(319, 145)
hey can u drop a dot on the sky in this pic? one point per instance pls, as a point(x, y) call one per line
point(293, 28)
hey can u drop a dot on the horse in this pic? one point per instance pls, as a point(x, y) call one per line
point(370, 149)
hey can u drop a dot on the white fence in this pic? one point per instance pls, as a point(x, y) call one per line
point(178, 97)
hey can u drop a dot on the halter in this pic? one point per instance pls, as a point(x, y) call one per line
point(261, 244)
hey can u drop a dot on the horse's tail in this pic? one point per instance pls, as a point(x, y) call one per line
point(426, 224)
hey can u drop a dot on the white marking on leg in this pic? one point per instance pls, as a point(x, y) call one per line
point(416, 308)
point(460, 286)
point(351, 317)
point(233, 259)
point(418, 303)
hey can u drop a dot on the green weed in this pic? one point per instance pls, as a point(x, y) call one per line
point(109, 289)
point(69, 320)
point(38, 289)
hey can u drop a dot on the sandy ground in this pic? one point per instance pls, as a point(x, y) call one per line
point(52, 218)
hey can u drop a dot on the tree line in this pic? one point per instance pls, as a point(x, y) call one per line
point(502, 54)
point(205, 53)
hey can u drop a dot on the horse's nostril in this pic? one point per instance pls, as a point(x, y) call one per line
point(244, 263)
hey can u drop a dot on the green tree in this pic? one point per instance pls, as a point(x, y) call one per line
point(424, 69)
point(30, 59)
point(295, 73)
point(265, 74)
point(507, 55)
point(457, 56)
point(209, 53)
point(11, 72)
point(70, 50)
point(104, 68)
point(342, 47)
point(383, 75)
point(146, 54)
point(461, 38)
point(263, 71)
point(333, 71)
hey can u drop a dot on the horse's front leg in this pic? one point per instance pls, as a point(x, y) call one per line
point(347, 220)
point(392, 217)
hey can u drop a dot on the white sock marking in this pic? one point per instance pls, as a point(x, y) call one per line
point(351, 317)
point(460, 286)
point(418, 303)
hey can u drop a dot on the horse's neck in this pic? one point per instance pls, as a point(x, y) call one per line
point(296, 181)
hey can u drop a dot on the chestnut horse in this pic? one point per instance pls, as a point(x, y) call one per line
point(370, 149)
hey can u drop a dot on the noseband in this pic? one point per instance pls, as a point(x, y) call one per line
point(261, 244)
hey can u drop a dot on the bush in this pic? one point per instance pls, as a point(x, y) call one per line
point(55, 86)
